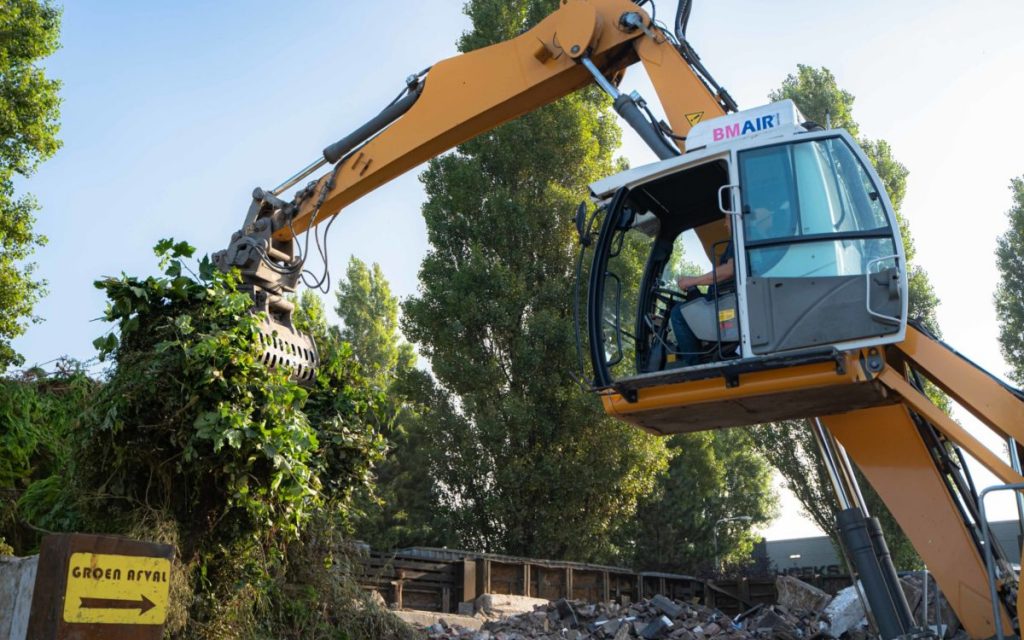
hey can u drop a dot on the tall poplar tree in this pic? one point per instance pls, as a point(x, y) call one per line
point(525, 458)
point(1009, 295)
point(400, 511)
point(29, 109)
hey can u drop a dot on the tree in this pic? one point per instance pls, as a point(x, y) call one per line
point(29, 109)
point(818, 96)
point(790, 445)
point(400, 510)
point(525, 458)
point(369, 315)
point(1009, 295)
point(713, 475)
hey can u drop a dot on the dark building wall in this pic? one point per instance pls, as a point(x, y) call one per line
point(818, 556)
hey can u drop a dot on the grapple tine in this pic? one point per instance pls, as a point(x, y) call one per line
point(283, 346)
point(270, 270)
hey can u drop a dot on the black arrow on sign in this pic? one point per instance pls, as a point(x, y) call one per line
point(143, 605)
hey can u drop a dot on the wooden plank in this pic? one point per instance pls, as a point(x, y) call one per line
point(468, 580)
point(447, 567)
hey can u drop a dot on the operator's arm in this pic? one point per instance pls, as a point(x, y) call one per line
point(721, 273)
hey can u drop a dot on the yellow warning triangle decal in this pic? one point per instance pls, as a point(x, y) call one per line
point(694, 118)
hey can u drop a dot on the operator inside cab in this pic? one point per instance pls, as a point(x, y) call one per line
point(694, 318)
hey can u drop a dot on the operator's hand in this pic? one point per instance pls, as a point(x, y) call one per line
point(685, 283)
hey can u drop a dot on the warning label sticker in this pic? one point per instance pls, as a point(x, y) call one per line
point(116, 589)
point(695, 117)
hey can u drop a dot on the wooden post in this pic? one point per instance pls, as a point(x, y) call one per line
point(527, 587)
point(568, 583)
point(606, 591)
point(743, 588)
point(397, 589)
point(469, 580)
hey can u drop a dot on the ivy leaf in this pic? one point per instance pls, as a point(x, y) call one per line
point(105, 345)
point(184, 324)
point(206, 269)
point(183, 249)
point(163, 247)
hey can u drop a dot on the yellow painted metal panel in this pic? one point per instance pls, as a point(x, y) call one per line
point(972, 387)
point(887, 448)
point(923, 406)
point(682, 394)
point(116, 589)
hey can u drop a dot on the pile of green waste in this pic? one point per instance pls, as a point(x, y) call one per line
point(190, 440)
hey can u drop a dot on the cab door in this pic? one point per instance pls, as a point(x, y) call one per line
point(822, 257)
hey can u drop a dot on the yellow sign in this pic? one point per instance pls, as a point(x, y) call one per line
point(726, 314)
point(113, 589)
point(695, 117)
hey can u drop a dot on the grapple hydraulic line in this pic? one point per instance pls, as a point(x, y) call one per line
point(470, 93)
point(269, 266)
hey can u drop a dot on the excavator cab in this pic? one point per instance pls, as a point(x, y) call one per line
point(818, 265)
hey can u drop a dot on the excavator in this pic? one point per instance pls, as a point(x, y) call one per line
point(810, 321)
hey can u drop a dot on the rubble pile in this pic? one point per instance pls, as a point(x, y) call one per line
point(659, 618)
point(803, 612)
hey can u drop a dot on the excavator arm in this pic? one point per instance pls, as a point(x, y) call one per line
point(464, 96)
point(582, 42)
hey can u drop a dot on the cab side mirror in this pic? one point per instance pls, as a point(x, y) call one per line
point(581, 221)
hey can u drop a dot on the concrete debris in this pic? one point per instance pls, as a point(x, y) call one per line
point(797, 594)
point(846, 612)
point(659, 618)
point(497, 605)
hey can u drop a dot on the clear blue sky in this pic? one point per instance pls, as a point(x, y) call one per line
point(174, 111)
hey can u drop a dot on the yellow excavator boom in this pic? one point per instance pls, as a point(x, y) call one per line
point(471, 93)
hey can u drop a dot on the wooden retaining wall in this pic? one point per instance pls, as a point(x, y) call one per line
point(439, 579)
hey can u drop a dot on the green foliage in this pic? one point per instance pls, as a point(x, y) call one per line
point(1009, 296)
point(369, 315)
point(713, 475)
point(399, 512)
point(320, 600)
point(790, 447)
point(29, 109)
point(526, 459)
point(190, 421)
point(37, 420)
point(818, 96)
point(193, 442)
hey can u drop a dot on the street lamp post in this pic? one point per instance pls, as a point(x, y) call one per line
point(714, 535)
